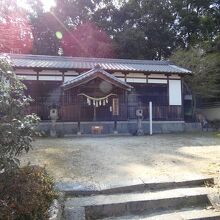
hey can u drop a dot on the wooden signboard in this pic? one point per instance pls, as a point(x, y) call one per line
point(115, 106)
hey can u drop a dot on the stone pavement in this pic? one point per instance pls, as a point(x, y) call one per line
point(105, 161)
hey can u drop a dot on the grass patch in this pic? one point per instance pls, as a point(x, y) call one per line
point(217, 134)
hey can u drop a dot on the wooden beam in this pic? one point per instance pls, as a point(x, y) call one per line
point(147, 76)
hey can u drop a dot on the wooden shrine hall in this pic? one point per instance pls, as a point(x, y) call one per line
point(101, 90)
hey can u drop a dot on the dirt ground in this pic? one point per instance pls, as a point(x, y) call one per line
point(100, 160)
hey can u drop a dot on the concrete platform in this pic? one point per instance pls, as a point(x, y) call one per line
point(139, 185)
point(123, 127)
point(190, 214)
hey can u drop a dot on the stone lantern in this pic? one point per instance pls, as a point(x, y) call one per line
point(54, 117)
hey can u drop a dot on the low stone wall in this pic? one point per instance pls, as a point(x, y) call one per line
point(211, 113)
point(123, 127)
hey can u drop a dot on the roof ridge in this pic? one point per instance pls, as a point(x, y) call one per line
point(87, 59)
point(109, 64)
point(95, 70)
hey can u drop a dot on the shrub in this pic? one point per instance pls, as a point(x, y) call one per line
point(17, 129)
point(26, 194)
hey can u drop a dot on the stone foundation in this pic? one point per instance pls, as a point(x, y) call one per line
point(123, 127)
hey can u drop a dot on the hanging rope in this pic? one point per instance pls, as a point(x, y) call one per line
point(97, 101)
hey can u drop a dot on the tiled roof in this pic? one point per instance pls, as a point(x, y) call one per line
point(57, 62)
point(88, 75)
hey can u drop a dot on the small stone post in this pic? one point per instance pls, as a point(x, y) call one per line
point(139, 114)
point(53, 117)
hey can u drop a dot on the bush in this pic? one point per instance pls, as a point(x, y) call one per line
point(215, 124)
point(17, 129)
point(26, 193)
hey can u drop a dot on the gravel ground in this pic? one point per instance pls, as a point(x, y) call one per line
point(102, 160)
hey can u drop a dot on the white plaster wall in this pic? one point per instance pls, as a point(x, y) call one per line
point(50, 72)
point(25, 71)
point(118, 74)
point(175, 94)
point(23, 77)
point(136, 80)
point(71, 72)
point(161, 76)
point(175, 76)
point(51, 78)
point(67, 78)
point(160, 81)
point(122, 79)
point(141, 75)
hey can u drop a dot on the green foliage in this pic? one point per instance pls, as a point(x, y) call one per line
point(17, 129)
point(204, 63)
point(141, 29)
point(26, 193)
point(197, 20)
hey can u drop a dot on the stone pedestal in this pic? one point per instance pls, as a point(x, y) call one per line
point(115, 132)
point(140, 130)
point(79, 133)
point(53, 132)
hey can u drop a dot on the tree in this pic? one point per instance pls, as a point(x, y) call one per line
point(196, 20)
point(138, 29)
point(203, 61)
point(15, 29)
point(44, 29)
point(87, 40)
point(141, 29)
point(17, 129)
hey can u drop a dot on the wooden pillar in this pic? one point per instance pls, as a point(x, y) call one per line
point(126, 104)
point(126, 97)
point(182, 94)
point(37, 70)
point(94, 113)
point(147, 75)
point(61, 104)
point(63, 74)
point(115, 124)
point(168, 92)
point(125, 76)
point(115, 113)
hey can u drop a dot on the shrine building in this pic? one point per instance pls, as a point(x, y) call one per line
point(102, 92)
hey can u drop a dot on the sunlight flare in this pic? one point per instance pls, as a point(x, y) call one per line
point(47, 4)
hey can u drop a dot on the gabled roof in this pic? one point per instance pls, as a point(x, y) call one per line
point(73, 63)
point(96, 72)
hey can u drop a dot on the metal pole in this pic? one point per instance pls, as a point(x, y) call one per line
point(79, 115)
point(150, 118)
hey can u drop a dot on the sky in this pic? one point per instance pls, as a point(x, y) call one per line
point(48, 4)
